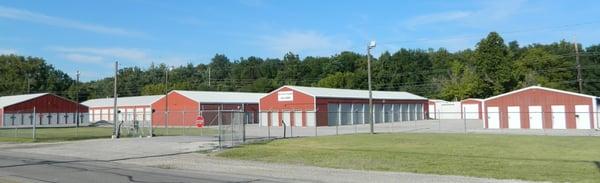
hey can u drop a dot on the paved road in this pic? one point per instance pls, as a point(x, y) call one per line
point(26, 167)
point(170, 159)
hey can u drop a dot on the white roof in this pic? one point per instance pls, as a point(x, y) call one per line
point(356, 94)
point(15, 99)
point(221, 97)
point(123, 101)
point(541, 88)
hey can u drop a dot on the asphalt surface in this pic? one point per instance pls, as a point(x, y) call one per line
point(26, 167)
point(171, 160)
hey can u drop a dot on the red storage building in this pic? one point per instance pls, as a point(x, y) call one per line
point(309, 106)
point(471, 108)
point(185, 106)
point(50, 111)
point(541, 108)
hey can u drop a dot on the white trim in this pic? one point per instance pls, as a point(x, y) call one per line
point(541, 88)
point(287, 86)
point(475, 99)
point(595, 112)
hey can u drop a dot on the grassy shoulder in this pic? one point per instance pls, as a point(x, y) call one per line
point(83, 133)
point(539, 158)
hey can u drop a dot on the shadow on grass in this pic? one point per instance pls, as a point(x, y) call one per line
point(597, 165)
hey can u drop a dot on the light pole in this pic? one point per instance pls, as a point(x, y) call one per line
point(372, 45)
point(115, 96)
point(77, 99)
point(167, 98)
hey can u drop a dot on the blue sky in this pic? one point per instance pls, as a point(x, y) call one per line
point(89, 35)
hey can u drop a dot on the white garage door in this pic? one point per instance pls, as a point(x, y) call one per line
point(431, 111)
point(558, 117)
point(493, 117)
point(287, 119)
point(471, 111)
point(274, 118)
point(514, 117)
point(311, 118)
point(582, 116)
point(535, 117)
point(297, 118)
point(264, 118)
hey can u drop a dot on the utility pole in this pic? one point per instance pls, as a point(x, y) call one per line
point(167, 99)
point(371, 46)
point(28, 85)
point(77, 99)
point(115, 100)
point(579, 79)
point(208, 76)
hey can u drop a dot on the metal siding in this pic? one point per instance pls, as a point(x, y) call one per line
point(544, 98)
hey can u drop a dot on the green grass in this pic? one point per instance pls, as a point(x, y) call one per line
point(538, 158)
point(54, 134)
point(192, 131)
point(82, 133)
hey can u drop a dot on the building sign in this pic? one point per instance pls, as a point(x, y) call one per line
point(285, 96)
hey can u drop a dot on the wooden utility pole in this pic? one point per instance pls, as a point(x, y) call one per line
point(115, 135)
point(579, 79)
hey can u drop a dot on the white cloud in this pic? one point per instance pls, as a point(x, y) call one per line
point(489, 13)
point(106, 56)
point(437, 18)
point(24, 15)
point(8, 51)
point(82, 58)
point(131, 54)
point(307, 42)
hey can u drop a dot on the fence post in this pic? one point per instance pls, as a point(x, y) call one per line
point(245, 119)
point(465, 118)
point(34, 124)
point(337, 127)
point(183, 121)
point(269, 127)
point(231, 119)
point(220, 128)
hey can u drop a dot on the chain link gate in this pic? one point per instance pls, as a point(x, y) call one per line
point(231, 128)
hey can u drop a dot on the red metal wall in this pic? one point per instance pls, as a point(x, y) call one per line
point(539, 97)
point(48, 103)
point(182, 110)
point(301, 102)
point(471, 101)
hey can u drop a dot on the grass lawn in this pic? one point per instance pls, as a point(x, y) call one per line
point(54, 134)
point(539, 158)
point(191, 131)
point(71, 133)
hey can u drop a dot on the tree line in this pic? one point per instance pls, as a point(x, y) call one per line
point(492, 68)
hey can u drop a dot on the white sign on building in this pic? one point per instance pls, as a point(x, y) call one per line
point(285, 96)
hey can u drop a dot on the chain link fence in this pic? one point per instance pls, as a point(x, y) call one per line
point(29, 125)
point(233, 127)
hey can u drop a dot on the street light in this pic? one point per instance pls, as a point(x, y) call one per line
point(372, 45)
point(77, 99)
point(167, 98)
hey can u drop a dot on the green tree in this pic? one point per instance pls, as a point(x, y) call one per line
point(494, 66)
